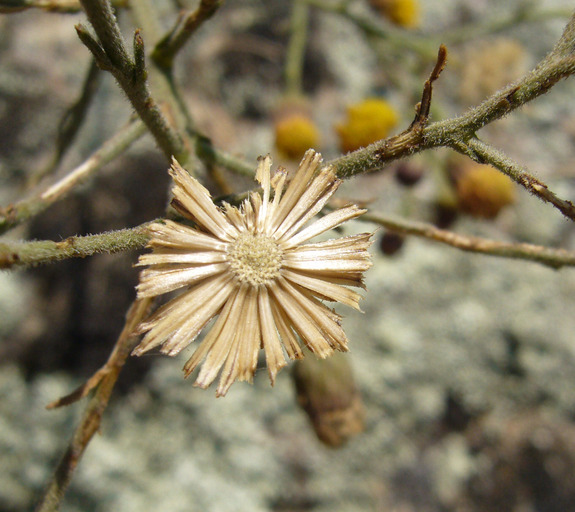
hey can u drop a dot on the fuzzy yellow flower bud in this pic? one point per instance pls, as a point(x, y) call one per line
point(367, 122)
point(483, 191)
point(404, 13)
point(295, 134)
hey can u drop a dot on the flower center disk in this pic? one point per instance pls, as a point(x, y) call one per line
point(255, 258)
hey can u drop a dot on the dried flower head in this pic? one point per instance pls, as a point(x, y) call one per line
point(252, 268)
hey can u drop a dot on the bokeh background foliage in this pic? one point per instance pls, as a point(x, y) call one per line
point(463, 363)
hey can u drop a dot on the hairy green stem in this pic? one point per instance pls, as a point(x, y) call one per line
point(145, 15)
point(459, 133)
point(22, 254)
point(484, 153)
point(104, 22)
point(111, 54)
point(558, 64)
point(161, 74)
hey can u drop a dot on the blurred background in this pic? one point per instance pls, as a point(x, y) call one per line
point(464, 365)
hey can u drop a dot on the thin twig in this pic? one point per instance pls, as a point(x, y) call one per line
point(554, 258)
point(211, 155)
point(482, 153)
point(22, 254)
point(296, 48)
point(161, 74)
point(187, 24)
point(145, 15)
point(92, 416)
point(59, 6)
point(111, 54)
point(377, 155)
point(425, 44)
point(530, 12)
point(71, 122)
point(17, 213)
point(115, 359)
point(374, 26)
point(456, 133)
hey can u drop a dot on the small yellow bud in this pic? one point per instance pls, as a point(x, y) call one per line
point(404, 13)
point(295, 134)
point(483, 191)
point(366, 122)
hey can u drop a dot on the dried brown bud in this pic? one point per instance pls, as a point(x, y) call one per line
point(327, 392)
